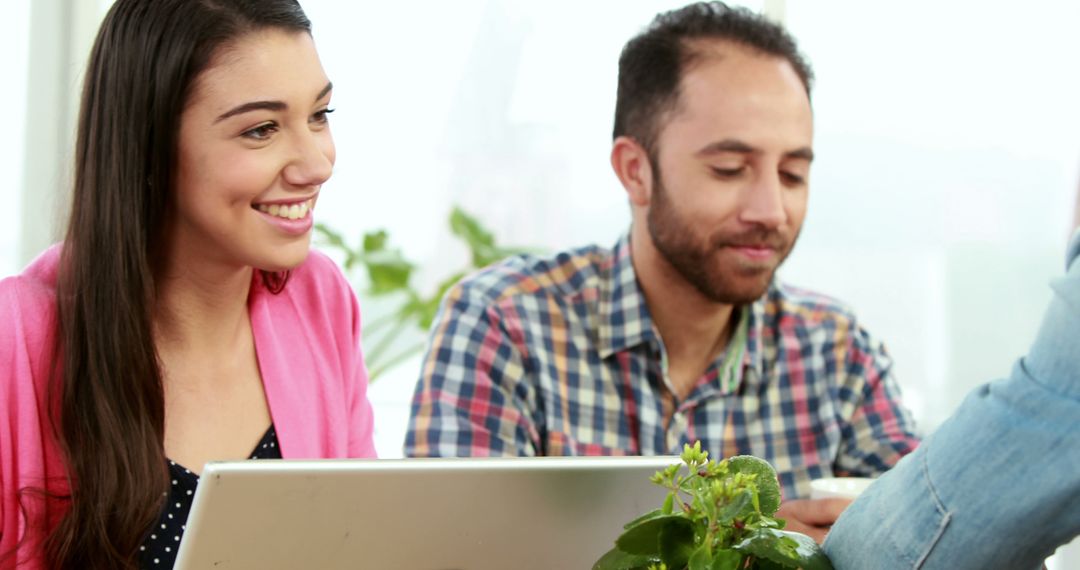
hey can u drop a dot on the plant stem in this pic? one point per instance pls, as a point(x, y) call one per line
point(385, 342)
point(394, 361)
point(380, 322)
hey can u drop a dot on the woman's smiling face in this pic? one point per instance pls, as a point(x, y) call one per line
point(254, 149)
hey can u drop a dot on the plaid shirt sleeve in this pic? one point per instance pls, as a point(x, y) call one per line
point(472, 398)
point(880, 430)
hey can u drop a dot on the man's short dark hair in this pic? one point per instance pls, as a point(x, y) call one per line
point(653, 62)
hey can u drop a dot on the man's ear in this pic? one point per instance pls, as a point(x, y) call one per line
point(631, 164)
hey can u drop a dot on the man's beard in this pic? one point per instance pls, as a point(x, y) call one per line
point(694, 257)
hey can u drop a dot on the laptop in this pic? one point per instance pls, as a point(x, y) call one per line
point(542, 513)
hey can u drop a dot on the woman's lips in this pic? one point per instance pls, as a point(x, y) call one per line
point(292, 218)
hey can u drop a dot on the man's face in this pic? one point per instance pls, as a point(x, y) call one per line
point(730, 173)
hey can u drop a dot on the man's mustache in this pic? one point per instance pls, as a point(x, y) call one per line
point(754, 238)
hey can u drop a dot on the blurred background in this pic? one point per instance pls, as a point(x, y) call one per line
point(942, 196)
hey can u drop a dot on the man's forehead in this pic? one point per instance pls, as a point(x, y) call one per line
point(735, 62)
point(736, 83)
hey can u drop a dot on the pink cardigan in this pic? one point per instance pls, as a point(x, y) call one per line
point(308, 343)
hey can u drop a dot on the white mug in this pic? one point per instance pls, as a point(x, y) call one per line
point(839, 487)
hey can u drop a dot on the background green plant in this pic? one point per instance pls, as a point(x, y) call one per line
point(389, 276)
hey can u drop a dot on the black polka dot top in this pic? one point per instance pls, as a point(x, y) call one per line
point(159, 549)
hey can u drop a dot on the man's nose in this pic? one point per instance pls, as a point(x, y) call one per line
point(763, 202)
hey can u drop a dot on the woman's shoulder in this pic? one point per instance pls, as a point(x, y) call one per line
point(28, 300)
point(27, 329)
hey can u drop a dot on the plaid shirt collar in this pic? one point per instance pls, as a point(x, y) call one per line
point(624, 317)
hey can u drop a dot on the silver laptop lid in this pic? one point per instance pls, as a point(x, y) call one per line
point(549, 513)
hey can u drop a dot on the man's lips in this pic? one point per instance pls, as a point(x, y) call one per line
point(753, 251)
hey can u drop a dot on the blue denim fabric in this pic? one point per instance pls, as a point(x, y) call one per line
point(998, 484)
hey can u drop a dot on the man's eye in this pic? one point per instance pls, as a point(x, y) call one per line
point(261, 132)
point(728, 172)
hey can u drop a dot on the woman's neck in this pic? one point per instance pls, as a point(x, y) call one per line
point(201, 307)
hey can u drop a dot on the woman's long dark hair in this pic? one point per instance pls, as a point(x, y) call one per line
point(110, 420)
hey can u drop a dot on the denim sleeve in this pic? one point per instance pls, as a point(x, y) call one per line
point(1054, 358)
point(998, 484)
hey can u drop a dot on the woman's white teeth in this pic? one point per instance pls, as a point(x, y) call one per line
point(288, 211)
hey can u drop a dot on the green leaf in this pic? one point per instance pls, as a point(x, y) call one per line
point(740, 507)
point(767, 484)
point(469, 229)
point(616, 559)
point(669, 504)
point(388, 271)
point(375, 241)
point(478, 239)
point(429, 307)
point(336, 241)
point(725, 559)
point(644, 536)
point(701, 559)
point(676, 543)
point(788, 549)
point(658, 513)
point(329, 235)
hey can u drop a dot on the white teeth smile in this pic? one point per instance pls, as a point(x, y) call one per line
point(288, 211)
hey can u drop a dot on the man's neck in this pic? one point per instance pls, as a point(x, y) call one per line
point(695, 329)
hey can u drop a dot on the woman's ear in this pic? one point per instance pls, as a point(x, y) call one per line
point(631, 164)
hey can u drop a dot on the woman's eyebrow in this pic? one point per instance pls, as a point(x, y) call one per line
point(252, 106)
point(266, 105)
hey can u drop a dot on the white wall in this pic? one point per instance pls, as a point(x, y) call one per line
point(949, 143)
point(14, 40)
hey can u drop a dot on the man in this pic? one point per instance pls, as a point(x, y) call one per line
point(998, 484)
point(679, 333)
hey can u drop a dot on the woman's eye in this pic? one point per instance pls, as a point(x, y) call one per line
point(261, 132)
point(792, 178)
point(322, 117)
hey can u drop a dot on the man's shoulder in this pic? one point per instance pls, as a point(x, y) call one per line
point(806, 307)
point(565, 274)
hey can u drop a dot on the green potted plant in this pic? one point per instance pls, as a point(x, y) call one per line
point(717, 516)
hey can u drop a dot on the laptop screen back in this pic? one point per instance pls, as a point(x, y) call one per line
point(416, 514)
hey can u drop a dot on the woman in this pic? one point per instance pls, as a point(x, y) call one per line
point(182, 319)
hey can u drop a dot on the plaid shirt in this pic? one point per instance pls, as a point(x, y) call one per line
point(559, 356)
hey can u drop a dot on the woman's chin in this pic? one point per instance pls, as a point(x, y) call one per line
point(285, 260)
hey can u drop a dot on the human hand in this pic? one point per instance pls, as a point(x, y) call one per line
point(812, 517)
